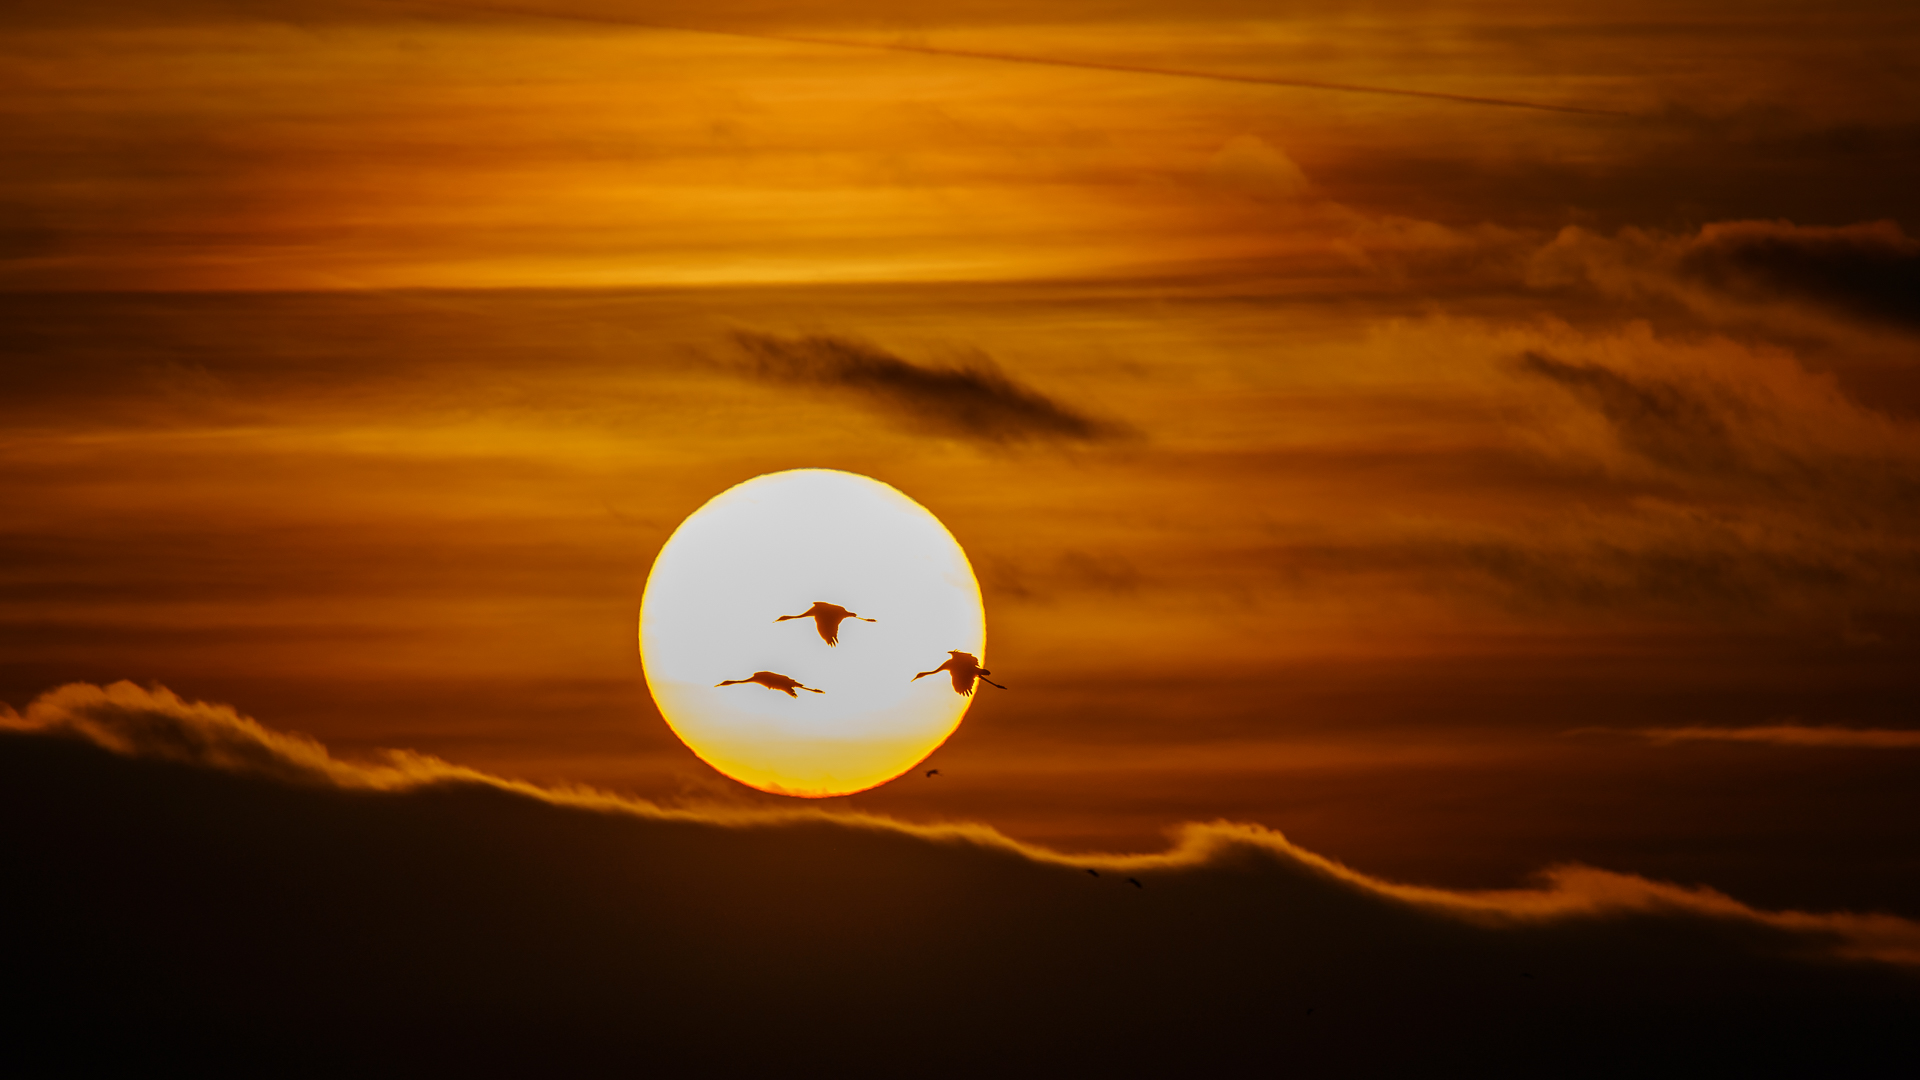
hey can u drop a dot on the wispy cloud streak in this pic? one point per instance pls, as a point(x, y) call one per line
point(1774, 735)
point(1660, 420)
point(1016, 58)
point(974, 401)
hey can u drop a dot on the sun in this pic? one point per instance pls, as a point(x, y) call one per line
point(775, 546)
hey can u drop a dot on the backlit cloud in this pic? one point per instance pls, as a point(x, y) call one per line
point(156, 724)
point(456, 919)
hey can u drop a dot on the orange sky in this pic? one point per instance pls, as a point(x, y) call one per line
point(1409, 459)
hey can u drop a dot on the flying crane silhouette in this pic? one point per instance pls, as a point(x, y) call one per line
point(964, 667)
point(827, 618)
point(772, 680)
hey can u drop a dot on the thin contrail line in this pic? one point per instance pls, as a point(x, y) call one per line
point(1015, 58)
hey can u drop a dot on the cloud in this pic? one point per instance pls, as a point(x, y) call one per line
point(157, 724)
point(1736, 419)
point(1871, 270)
point(209, 889)
point(974, 401)
point(1773, 735)
point(1867, 273)
point(1249, 165)
point(1660, 420)
point(1679, 474)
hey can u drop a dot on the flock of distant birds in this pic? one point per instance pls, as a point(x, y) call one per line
point(962, 666)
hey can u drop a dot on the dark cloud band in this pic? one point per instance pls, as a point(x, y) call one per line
point(176, 899)
point(1870, 270)
point(974, 401)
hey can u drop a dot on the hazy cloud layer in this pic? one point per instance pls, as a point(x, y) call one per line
point(1687, 475)
point(1724, 419)
point(974, 400)
point(314, 160)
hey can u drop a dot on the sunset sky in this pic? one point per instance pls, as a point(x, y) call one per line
point(1465, 439)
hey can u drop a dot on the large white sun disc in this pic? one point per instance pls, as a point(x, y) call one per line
point(774, 546)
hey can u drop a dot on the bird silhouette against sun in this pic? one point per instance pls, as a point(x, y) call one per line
point(827, 619)
point(964, 667)
point(772, 680)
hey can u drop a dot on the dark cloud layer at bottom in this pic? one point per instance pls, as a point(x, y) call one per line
point(193, 899)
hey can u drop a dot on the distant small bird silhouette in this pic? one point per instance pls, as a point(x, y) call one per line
point(1136, 883)
point(1094, 872)
point(772, 680)
point(827, 619)
point(933, 773)
point(964, 667)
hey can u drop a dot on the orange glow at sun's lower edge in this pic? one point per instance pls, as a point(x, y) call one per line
point(773, 547)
